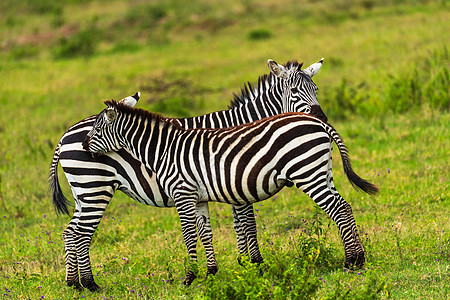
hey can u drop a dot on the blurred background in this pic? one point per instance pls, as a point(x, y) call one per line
point(384, 85)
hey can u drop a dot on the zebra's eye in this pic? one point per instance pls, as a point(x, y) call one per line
point(98, 132)
point(294, 90)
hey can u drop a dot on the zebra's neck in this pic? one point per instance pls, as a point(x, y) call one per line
point(253, 104)
point(148, 137)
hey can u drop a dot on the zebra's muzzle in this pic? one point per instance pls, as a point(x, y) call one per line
point(85, 145)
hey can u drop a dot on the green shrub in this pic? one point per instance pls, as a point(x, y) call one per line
point(426, 83)
point(82, 43)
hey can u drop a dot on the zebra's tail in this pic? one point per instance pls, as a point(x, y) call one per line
point(357, 182)
point(60, 202)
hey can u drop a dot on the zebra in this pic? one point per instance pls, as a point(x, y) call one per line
point(94, 180)
point(236, 165)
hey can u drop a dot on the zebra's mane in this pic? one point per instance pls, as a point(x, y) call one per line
point(142, 113)
point(248, 92)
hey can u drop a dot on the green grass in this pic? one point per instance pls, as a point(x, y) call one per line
point(384, 86)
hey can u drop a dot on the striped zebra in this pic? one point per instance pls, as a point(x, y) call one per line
point(237, 165)
point(94, 180)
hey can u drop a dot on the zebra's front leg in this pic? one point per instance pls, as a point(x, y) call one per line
point(205, 233)
point(187, 213)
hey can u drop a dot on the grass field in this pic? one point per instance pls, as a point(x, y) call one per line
point(384, 86)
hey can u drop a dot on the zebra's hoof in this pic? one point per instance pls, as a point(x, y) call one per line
point(190, 276)
point(90, 285)
point(76, 285)
point(360, 261)
point(212, 271)
point(94, 287)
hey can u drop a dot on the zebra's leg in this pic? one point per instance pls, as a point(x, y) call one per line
point(334, 205)
point(92, 211)
point(240, 234)
point(205, 233)
point(353, 261)
point(354, 250)
point(337, 209)
point(359, 248)
point(187, 213)
point(72, 278)
point(246, 217)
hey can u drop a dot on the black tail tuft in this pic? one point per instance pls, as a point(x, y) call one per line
point(60, 202)
point(358, 182)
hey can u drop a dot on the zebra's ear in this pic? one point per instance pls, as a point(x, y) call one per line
point(314, 68)
point(277, 70)
point(131, 100)
point(110, 114)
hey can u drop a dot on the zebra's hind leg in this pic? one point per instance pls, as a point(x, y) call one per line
point(92, 211)
point(340, 212)
point(83, 242)
point(187, 213)
point(246, 217)
point(338, 209)
point(205, 233)
point(72, 278)
point(240, 235)
point(359, 248)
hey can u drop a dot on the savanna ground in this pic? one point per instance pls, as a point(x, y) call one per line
point(384, 86)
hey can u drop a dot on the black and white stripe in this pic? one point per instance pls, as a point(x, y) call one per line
point(94, 180)
point(236, 165)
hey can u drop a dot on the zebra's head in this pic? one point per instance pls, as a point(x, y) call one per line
point(298, 89)
point(103, 136)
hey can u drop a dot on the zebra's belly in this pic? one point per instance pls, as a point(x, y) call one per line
point(244, 194)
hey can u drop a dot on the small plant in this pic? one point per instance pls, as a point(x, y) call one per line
point(259, 34)
point(285, 278)
point(313, 238)
point(22, 52)
point(370, 287)
point(126, 47)
point(147, 16)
